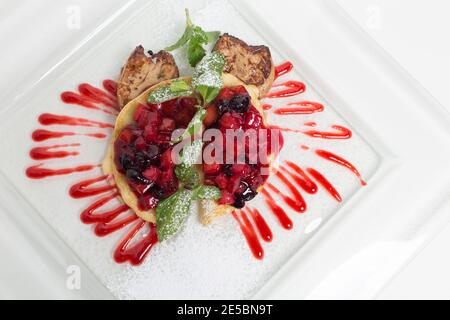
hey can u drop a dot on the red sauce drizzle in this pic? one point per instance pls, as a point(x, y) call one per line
point(37, 172)
point(300, 202)
point(292, 88)
point(89, 216)
point(103, 229)
point(343, 133)
point(267, 106)
point(283, 69)
point(293, 203)
point(250, 235)
point(42, 135)
point(261, 225)
point(325, 183)
point(82, 190)
point(304, 107)
point(300, 178)
point(48, 119)
point(110, 86)
point(340, 161)
point(281, 215)
point(44, 153)
point(136, 253)
point(98, 95)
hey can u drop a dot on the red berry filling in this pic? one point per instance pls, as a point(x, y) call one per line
point(143, 152)
point(233, 110)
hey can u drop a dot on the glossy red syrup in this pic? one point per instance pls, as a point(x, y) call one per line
point(340, 161)
point(304, 107)
point(301, 204)
point(38, 172)
point(43, 135)
point(341, 133)
point(300, 177)
point(45, 153)
point(325, 183)
point(288, 89)
point(83, 189)
point(267, 106)
point(291, 202)
point(98, 95)
point(279, 213)
point(89, 215)
point(136, 252)
point(261, 224)
point(103, 229)
point(250, 235)
point(110, 86)
point(283, 69)
point(48, 119)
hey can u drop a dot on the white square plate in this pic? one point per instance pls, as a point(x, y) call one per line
point(366, 238)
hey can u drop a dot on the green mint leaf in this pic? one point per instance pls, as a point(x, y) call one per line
point(192, 152)
point(188, 175)
point(178, 85)
point(186, 35)
point(199, 36)
point(195, 53)
point(206, 193)
point(171, 214)
point(207, 79)
point(170, 92)
point(208, 93)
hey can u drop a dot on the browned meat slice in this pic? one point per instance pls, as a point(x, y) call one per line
point(251, 64)
point(142, 71)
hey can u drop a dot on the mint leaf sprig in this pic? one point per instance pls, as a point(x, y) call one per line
point(195, 38)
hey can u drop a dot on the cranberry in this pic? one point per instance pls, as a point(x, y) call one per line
point(242, 170)
point(169, 108)
point(140, 188)
point(255, 181)
point(233, 184)
point(211, 115)
point(231, 121)
point(227, 198)
point(211, 169)
point(141, 111)
point(167, 125)
point(140, 144)
point(152, 174)
point(221, 181)
point(150, 134)
point(253, 121)
point(226, 94)
point(126, 136)
point(168, 182)
point(166, 160)
point(147, 202)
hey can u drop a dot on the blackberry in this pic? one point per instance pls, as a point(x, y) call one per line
point(240, 103)
point(223, 107)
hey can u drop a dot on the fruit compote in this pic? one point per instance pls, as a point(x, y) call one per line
point(238, 181)
point(143, 150)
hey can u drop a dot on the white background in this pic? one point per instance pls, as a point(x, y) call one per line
point(414, 32)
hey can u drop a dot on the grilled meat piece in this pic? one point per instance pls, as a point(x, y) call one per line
point(142, 71)
point(251, 64)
